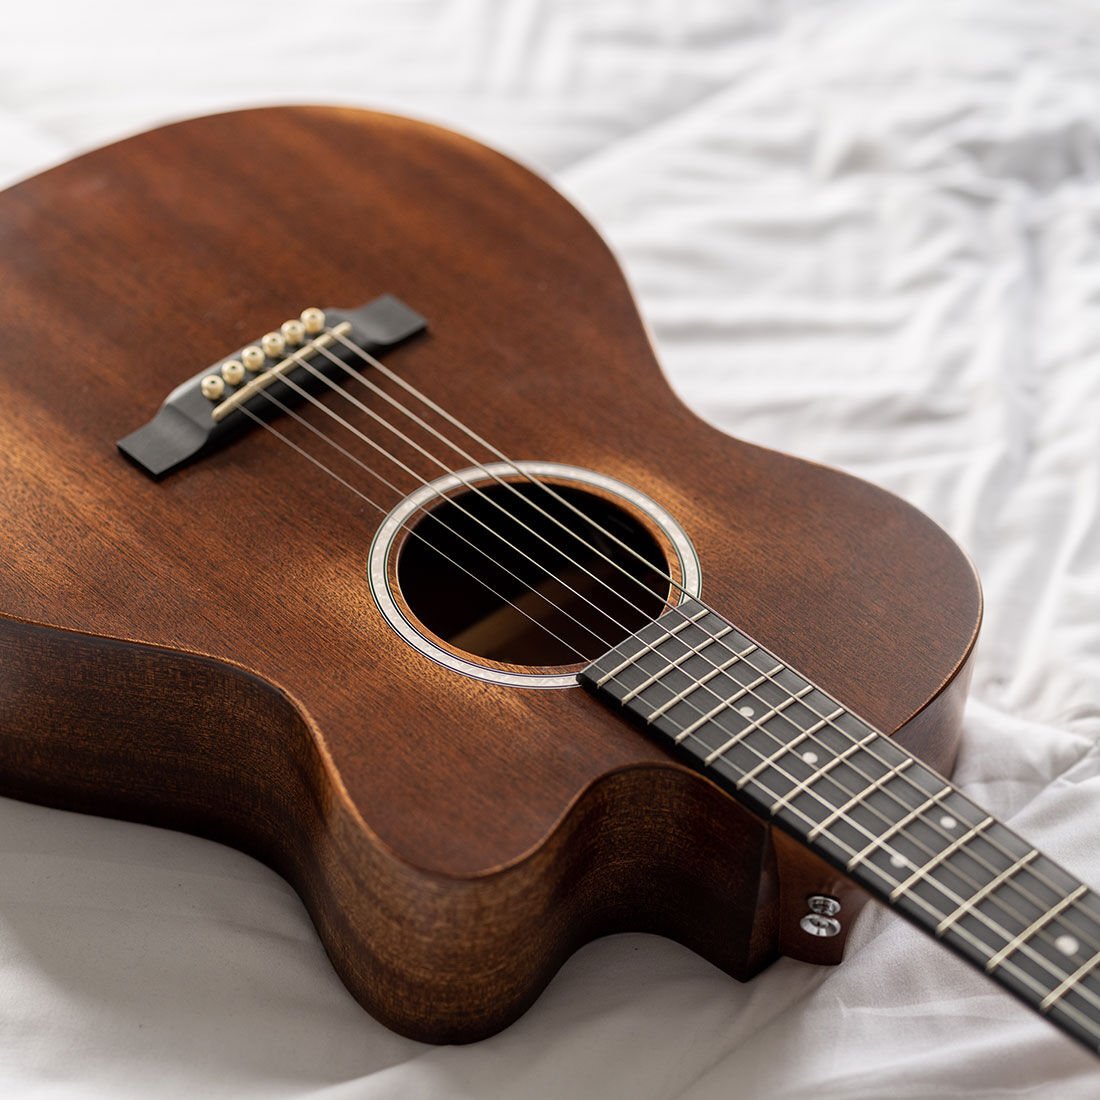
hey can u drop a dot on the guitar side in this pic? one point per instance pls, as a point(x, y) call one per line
point(149, 672)
point(184, 742)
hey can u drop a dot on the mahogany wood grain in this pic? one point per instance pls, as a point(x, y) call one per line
point(204, 653)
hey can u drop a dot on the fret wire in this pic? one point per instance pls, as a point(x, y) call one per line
point(1019, 942)
point(882, 874)
point(681, 696)
point(694, 651)
point(983, 947)
point(1051, 966)
point(1036, 926)
point(1072, 980)
point(898, 826)
point(802, 786)
point(1085, 1021)
point(979, 944)
point(725, 704)
point(769, 676)
point(896, 770)
point(790, 746)
point(880, 841)
point(756, 724)
point(649, 648)
point(799, 787)
point(837, 759)
point(993, 924)
point(922, 871)
point(806, 817)
point(1021, 976)
point(988, 888)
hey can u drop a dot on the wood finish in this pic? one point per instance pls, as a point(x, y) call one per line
point(204, 653)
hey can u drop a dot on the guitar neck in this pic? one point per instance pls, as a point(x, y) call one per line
point(778, 743)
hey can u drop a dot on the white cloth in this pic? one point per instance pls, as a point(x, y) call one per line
point(865, 233)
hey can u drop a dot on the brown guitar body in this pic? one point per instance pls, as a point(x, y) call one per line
point(204, 653)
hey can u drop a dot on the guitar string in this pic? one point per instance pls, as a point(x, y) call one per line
point(374, 504)
point(605, 642)
point(475, 488)
point(943, 834)
point(549, 489)
point(1007, 963)
point(423, 508)
point(1016, 886)
point(928, 851)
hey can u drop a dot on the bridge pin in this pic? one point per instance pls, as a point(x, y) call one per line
point(253, 357)
point(233, 372)
point(294, 332)
point(212, 387)
point(313, 319)
point(273, 344)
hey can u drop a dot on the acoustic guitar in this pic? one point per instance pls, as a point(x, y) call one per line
point(348, 520)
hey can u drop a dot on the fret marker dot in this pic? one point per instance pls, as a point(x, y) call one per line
point(748, 712)
point(948, 822)
point(810, 757)
point(897, 860)
point(1067, 945)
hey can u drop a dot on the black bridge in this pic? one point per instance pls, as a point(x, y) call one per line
point(226, 397)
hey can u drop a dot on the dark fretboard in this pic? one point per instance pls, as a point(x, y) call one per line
point(797, 757)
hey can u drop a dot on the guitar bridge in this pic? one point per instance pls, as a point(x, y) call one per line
point(222, 400)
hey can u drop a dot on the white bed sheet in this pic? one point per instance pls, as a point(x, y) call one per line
point(865, 233)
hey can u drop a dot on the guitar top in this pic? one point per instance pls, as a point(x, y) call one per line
point(337, 462)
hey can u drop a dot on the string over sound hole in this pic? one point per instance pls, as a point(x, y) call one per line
point(511, 574)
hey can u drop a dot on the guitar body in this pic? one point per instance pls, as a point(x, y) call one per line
point(205, 653)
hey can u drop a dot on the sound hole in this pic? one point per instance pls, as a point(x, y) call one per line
point(538, 603)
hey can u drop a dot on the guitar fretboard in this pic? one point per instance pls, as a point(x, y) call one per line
point(798, 758)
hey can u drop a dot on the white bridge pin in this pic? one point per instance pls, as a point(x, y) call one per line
point(253, 357)
point(274, 344)
point(233, 372)
point(212, 387)
point(294, 332)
